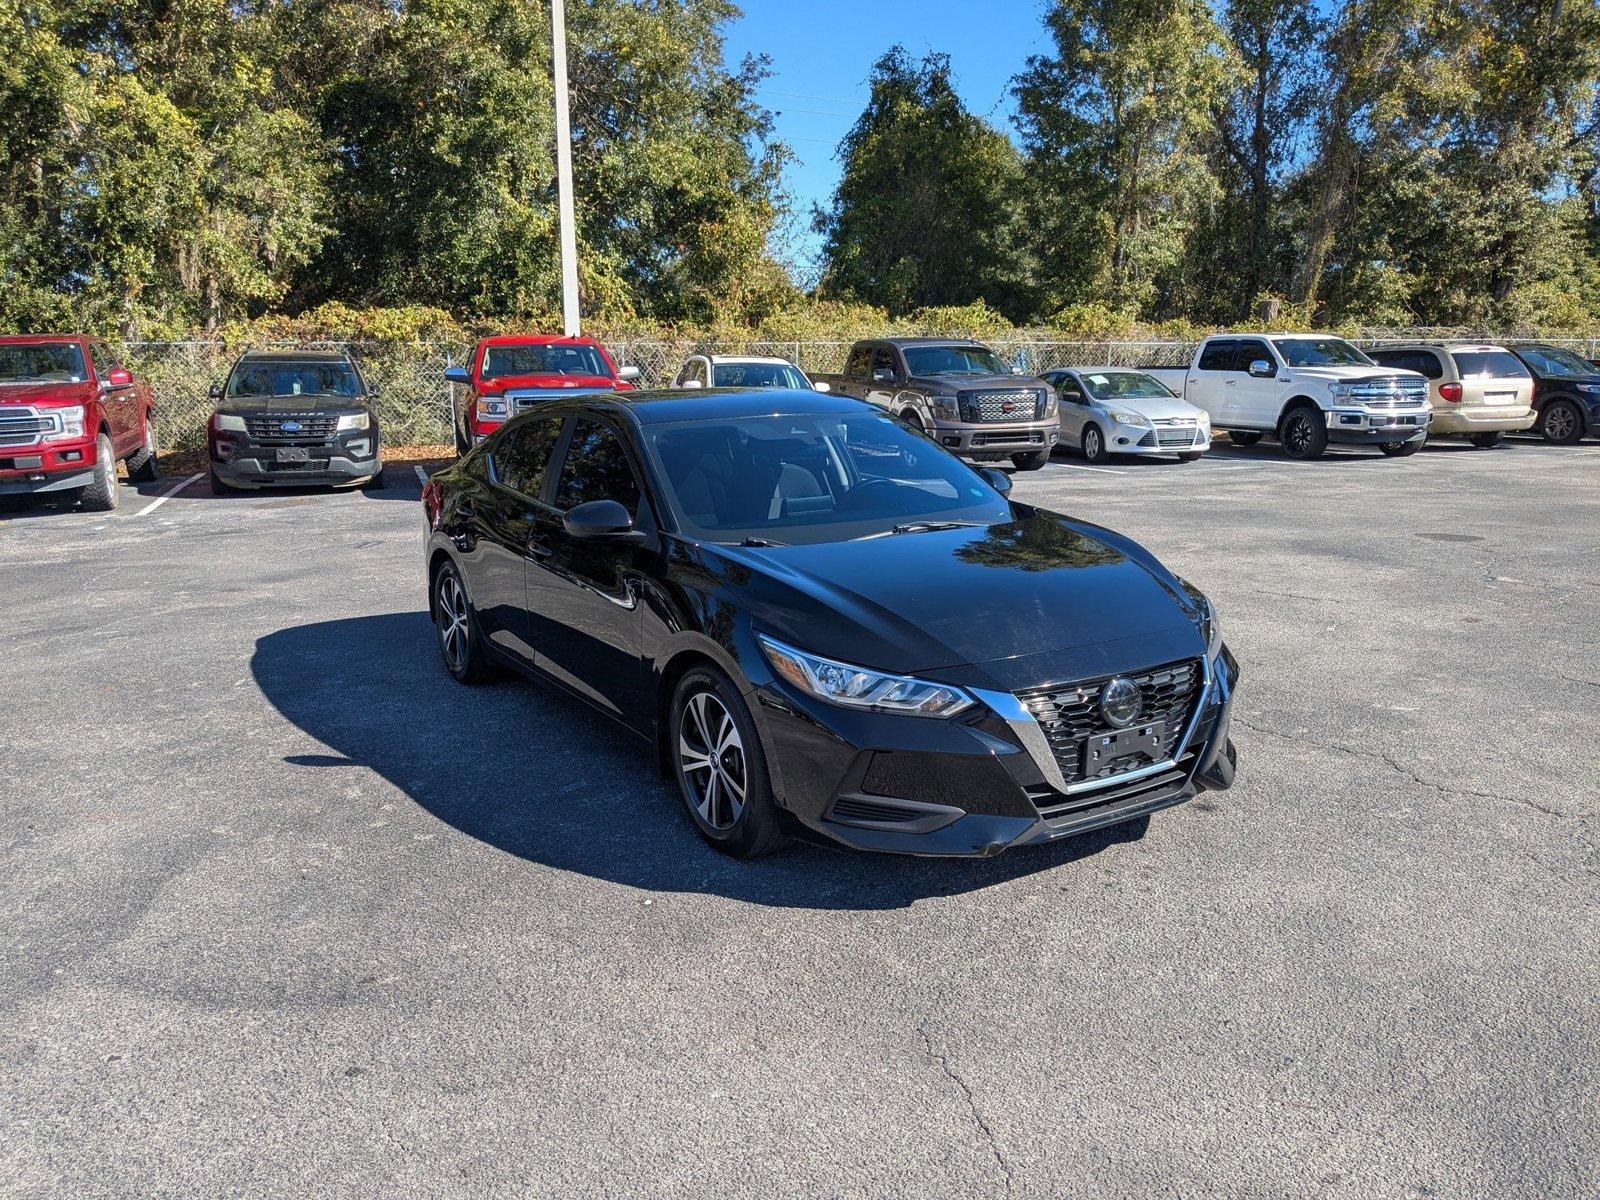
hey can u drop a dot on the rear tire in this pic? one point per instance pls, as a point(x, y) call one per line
point(1094, 445)
point(1561, 423)
point(142, 464)
point(720, 766)
point(1401, 449)
point(1485, 441)
point(1032, 461)
point(101, 494)
point(1245, 437)
point(455, 622)
point(1303, 434)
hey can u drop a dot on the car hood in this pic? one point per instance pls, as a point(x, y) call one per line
point(1160, 408)
point(1352, 374)
point(289, 404)
point(47, 393)
point(965, 383)
point(506, 383)
point(1035, 600)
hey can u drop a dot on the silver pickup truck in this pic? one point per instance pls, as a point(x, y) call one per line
point(959, 393)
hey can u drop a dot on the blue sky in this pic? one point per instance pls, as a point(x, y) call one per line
point(822, 51)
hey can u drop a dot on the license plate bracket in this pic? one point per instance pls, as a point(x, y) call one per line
point(1103, 749)
point(293, 454)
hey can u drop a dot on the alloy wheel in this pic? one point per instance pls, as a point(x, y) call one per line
point(1297, 434)
point(1559, 423)
point(1091, 444)
point(712, 759)
point(451, 617)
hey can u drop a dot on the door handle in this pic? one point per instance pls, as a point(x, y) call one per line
point(1231, 382)
point(539, 548)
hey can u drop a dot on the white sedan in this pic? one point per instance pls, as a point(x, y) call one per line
point(742, 371)
point(1116, 410)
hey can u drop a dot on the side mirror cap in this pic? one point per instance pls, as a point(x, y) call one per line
point(119, 377)
point(628, 374)
point(1016, 370)
point(598, 521)
point(373, 391)
point(457, 375)
point(822, 385)
point(214, 391)
point(883, 375)
point(997, 479)
point(1262, 369)
point(691, 383)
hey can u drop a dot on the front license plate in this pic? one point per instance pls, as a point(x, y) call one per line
point(1103, 749)
point(296, 454)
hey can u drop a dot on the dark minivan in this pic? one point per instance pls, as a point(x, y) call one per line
point(293, 418)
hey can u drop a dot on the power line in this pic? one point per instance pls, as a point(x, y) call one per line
point(807, 96)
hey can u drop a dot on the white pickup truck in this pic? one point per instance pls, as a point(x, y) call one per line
point(1304, 389)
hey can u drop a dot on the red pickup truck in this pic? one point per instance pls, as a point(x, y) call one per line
point(517, 372)
point(68, 411)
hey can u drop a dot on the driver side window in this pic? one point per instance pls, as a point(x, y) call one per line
point(523, 453)
point(883, 360)
point(596, 468)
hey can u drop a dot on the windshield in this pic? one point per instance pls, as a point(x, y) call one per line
point(41, 362)
point(954, 360)
point(1489, 364)
point(758, 375)
point(547, 359)
point(1552, 360)
point(1321, 352)
point(265, 379)
point(813, 478)
point(1125, 385)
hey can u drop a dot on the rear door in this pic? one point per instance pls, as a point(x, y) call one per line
point(584, 596)
point(1205, 386)
point(857, 371)
point(505, 517)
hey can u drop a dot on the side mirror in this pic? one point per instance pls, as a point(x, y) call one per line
point(1072, 394)
point(214, 391)
point(598, 521)
point(1016, 370)
point(1262, 369)
point(883, 375)
point(997, 479)
point(691, 383)
point(628, 374)
point(821, 385)
point(457, 375)
point(119, 377)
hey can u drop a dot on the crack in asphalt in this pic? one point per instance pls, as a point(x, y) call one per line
point(1581, 820)
point(978, 1118)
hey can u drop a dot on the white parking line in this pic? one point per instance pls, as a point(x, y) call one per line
point(1081, 467)
point(169, 494)
point(422, 476)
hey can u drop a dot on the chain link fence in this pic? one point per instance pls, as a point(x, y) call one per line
point(414, 404)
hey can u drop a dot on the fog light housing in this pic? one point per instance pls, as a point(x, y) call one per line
point(72, 456)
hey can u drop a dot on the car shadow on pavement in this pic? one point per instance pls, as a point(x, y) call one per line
point(540, 776)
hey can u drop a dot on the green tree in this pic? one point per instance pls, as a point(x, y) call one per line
point(926, 209)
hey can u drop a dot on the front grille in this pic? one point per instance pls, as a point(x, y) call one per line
point(1021, 438)
point(1169, 437)
point(521, 400)
point(291, 429)
point(24, 427)
point(1386, 393)
point(979, 407)
point(1070, 713)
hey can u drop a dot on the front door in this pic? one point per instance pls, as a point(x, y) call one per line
point(584, 596)
point(1073, 404)
point(505, 514)
point(1255, 396)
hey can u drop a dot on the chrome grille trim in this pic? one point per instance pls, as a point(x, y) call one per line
point(25, 425)
point(520, 400)
point(978, 407)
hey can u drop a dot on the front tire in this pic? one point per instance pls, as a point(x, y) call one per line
point(219, 487)
point(721, 767)
point(1303, 434)
point(1244, 437)
point(1094, 445)
point(1032, 461)
point(1561, 423)
point(142, 464)
point(1190, 456)
point(1401, 449)
point(101, 494)
point(455, 623)
point(1486, 441)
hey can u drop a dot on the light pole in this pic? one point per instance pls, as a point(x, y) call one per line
point(569, 238)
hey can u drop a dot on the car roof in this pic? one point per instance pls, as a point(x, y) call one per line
point(537, 339)
point(926, 341)
point(295, 356)
point(23, 339)
point(699, 404)
point(1473, 347)
point(726, 359)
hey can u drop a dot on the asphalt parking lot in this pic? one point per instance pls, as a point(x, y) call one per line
point(289, 912)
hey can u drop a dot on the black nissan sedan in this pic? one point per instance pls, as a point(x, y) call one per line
point(826, 625)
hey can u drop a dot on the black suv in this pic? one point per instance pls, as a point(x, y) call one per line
point(1566, 392)
point(294, 418)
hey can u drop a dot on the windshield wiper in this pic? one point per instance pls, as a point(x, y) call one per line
point(922, 527)
point(759, 542)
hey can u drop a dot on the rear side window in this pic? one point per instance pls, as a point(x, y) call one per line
point(596, 468)
point(1488, 364)
point(520, 459)
point(1217, 356)
point(856, 368)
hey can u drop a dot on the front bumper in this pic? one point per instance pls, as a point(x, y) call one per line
point(993, 443)
point(1360, 426)
point(1145, 439)
point(349, 459)
point(1484, 419)
point(57, 466)
point(972, 786)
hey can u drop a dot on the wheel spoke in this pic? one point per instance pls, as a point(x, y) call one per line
point(708, 804)
point(692, 758)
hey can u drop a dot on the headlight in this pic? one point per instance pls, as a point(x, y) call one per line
point(1592, 388)
point(858, 687)
point(1051, 405)
point(492, 408)
point(227, 423)
point(359, 420)
point(71, 423)
point(1122, 417)
point(1210, 623)
point(944, 407)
